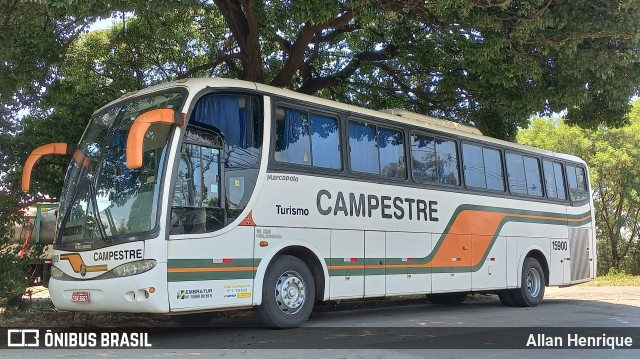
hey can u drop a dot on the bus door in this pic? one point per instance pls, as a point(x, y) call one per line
point(205, 270)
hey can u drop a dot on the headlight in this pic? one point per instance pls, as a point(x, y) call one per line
point(56, 273)
point(133, 268)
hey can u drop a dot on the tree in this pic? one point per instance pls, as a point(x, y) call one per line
point(614, 162)
point(486, 62)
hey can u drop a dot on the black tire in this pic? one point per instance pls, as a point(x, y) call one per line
point(194, 319)
point(288, 293)
point(506, 298)
point(531, 290)
point(447, 298)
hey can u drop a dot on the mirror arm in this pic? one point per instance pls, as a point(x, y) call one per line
point(58, 148)
point(139, 129)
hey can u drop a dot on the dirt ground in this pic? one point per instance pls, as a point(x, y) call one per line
point(41, 311)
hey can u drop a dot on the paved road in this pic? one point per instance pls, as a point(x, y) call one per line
point(362, 329)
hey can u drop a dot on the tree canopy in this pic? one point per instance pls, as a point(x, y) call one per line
point(491, 63)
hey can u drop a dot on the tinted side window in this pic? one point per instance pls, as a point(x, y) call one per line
point(515, 173)
point(423, 155)
point(364, 151)
point(493, 169)
point(473, 166)
point(557, 169)
point(391, 146)
point(434, 160)
point(447, 161)
point(292, 137)
point(325, 142)
point(307, 139)
point(554, 180)
point(532, 173)
point(577, 183)
point(376, 150)
point(482, 167)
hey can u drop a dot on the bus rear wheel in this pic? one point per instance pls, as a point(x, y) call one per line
point(447, 298)
point(531, 290)
point(288, 293)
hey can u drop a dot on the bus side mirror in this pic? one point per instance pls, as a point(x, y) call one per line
point(58, 148)
point(141, 126)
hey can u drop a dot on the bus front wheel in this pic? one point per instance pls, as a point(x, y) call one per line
point(288, 293)
point(531, 290)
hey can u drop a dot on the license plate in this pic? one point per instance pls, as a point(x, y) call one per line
point(80, 297)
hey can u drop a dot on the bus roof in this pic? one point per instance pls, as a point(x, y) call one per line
point(195, 85)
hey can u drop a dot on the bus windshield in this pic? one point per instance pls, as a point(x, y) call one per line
point(102, 198)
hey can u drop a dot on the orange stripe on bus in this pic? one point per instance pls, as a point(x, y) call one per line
point(75, 259)
point(350, 267)
point(470, 226)
point(579, 219)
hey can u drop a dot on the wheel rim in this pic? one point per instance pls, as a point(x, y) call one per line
point(290, 292)
point(533, 282)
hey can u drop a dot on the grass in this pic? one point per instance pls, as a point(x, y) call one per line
point(613, 279)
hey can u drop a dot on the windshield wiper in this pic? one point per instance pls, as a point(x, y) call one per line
point(96, 210)
point(70, 201)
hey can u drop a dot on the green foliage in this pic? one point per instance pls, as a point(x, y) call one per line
point(615, 278)
point(614, 162)
point(15, 271)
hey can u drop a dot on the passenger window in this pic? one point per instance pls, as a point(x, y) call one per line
point(532, 174)
point(577, 183)
point(363, 148)
point(391, 147)
point(493, 169)
point(557, 170)
point(376, 150)
point(554, 180)
point(423, 155)
point(292, 132)
point(434, 160)
point(447, 162)
point(524, 175)
point(473, 163)
point(482, 167)
point(325, 142)
point(295, 145)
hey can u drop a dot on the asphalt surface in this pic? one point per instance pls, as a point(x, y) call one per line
point(399, 329)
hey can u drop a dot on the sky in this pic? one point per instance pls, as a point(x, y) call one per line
point(108, 22)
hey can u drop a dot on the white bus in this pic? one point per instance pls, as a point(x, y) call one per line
point(210, 194)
